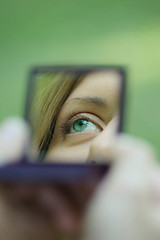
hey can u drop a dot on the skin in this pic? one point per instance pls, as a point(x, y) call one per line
point(96, 98)
point(126, 205)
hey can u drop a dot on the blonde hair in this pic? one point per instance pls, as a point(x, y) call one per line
point(52, 92)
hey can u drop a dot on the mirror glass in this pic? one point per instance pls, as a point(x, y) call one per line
point(72, 111)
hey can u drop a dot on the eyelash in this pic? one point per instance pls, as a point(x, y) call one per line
point(71, 119)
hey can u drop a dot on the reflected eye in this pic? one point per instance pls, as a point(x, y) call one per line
point(83, 125)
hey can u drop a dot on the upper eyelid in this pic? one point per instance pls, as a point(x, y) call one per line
point(83, 114)
point(78, 115)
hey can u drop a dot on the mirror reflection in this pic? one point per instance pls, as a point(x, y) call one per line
point(73, 112)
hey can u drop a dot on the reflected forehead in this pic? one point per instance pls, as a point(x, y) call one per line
point(97, 84)
point(106, 75)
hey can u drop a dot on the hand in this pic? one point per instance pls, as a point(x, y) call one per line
point(126, 205)
point(29, 211)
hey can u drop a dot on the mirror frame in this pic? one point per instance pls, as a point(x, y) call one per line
point(74, 68)
point(27, 172)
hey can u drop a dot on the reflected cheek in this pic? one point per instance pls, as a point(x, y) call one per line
point(78, 153)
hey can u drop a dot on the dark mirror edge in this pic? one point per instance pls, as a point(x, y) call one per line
point(25, 173)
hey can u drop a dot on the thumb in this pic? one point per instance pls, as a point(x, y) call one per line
point(14, 140)
point(123, 198)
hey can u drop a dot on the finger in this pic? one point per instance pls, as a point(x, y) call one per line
point(134, 160)
point(14, 138)
point(61, 212)
point(120, 201)
point(61, 206)
point(134, 163)
point(21, 217)
point(100, 150)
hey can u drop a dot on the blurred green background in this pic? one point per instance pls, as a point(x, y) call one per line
point(121, 32)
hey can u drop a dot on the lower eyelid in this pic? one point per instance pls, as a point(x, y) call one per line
point(79, 138)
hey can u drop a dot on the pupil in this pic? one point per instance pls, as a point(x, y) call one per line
point(81, 122)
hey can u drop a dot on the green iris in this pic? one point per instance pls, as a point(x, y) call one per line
point(83, 125)
point(80, 125)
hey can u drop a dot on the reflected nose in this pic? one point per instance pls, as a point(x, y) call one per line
point(101, 150)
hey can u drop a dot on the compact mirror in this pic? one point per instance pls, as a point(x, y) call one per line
point(72, 110)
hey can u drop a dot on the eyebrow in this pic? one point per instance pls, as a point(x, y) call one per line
point(96, 100)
